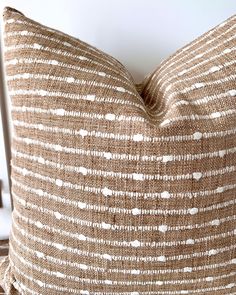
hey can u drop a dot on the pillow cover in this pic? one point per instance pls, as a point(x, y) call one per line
point(120, 188)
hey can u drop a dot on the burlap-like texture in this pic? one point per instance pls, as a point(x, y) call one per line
point(121, 189)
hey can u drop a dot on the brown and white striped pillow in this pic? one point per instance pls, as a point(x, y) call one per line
point(120, 189)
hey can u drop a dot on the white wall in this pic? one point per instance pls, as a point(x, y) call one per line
point(139, 33)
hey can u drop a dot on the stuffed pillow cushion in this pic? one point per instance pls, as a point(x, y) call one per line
point(120, 189)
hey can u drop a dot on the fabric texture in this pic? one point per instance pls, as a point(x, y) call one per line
point(120, 189)
point(3, 254)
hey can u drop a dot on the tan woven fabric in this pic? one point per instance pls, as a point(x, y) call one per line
point(118, 189)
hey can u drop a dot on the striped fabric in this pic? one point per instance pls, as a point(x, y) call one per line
point(120, 189)
point(4, 247)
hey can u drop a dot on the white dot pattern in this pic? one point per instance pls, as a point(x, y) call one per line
point(165, 195)
point(132, 183)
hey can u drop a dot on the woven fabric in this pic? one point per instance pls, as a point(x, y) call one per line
point(3, 253)
point(120, 189)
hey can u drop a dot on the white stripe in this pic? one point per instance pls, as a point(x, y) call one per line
point(16, 61)
point(195, 86)
point(86, 292)
point(212, 58)
point(66, 44)
point(141, 177)
point(57, 274)
point(66, 53)
point(61, 52)
point(58, 261)
point(118, 243)
point(98, 53)
point(19, 286)
point(117, 136)
point(157, 79)
point(108, 155)
point(178, 292)
point(115, 156)
point(116, 88)
point(202, 100)
point(89, 97)
point(69, 290)
point(63, 112)
point(85, 170)
point(100, 190)
point(166, 64)
point(113, 227)
point(195, 117)
point(186, 70)
point(5, 276)
point(4, 246)
point(101, 53)
point(217, 68)
point(57, 63)
point(43, 284)
point(26, 76)
point(136, 258)
point(107, 117)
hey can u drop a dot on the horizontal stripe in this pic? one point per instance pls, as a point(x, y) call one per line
point(57, 63)
point(63, 112)
point(142, 137)
point(4, 246)
point(215, 69)
point(58, 148)
point(85, 170)
point(229, 286)
point(90, 97)
point(86, 292)
point(115, 243)
point(108, 155)
point(195, 117)
point(196, 57)
point(84, 82)
point(67, 263)
point(157, 80)
point(175, 59)
point(89, 49)
point(114, 227)
point(200, 84)
point(196, 175)
point(164, 64)
point(203, 100)
point(60, 275)
point(62, 247)
point(20, 287)
point(66, 53)
point(38, 47)
point(43, 284)
point(117, 210)
point(27, 33)
point(194, 67)
point(68, 80)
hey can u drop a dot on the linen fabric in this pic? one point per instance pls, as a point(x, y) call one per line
point(120, 189)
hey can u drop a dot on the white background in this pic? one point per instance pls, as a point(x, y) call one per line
point(139, 33)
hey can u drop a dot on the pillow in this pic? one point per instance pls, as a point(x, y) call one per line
point(120, 189)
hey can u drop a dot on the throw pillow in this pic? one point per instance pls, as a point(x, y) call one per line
point(120, 189)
